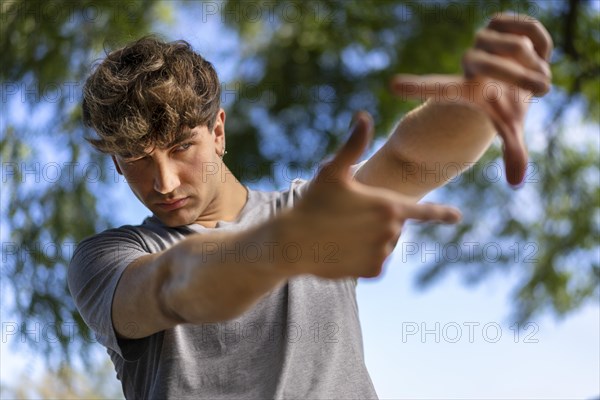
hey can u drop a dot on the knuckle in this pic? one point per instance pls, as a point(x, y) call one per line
point(523, 45)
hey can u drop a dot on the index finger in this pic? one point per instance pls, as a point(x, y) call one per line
point(429, 212)
point(527, 26)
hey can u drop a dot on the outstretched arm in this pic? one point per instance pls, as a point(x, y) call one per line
point(506, 66)
point(197, 281)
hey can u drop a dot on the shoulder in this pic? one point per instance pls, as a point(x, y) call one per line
point(150, 236)
point(110, 251)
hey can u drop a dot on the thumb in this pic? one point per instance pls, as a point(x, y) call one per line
point(361, 131)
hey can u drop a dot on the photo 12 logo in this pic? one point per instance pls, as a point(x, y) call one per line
point(489, 252)
point(470, 332)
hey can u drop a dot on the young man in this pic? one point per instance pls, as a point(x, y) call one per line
point(226, 292)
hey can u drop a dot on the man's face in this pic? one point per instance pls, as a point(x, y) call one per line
point(180, 184)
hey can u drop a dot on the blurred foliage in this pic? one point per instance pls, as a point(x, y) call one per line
point(50, 178)
point(307, 66)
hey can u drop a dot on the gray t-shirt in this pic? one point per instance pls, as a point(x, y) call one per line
point(301, 341)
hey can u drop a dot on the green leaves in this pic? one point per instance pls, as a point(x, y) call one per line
point(50, 177)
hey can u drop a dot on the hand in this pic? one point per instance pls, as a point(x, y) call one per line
point(354, 226)
point(506, 66)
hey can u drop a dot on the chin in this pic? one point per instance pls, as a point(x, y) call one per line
point(173, 220)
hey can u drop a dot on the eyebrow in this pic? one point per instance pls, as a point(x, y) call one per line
point(187, 134)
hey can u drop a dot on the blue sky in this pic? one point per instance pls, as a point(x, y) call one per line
point(469, 349)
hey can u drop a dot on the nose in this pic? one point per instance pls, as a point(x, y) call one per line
point(166, 179)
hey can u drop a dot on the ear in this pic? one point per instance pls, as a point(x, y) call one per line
point(117, 165)
point(219, 130)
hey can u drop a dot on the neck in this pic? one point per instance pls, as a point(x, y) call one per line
point(228, 203)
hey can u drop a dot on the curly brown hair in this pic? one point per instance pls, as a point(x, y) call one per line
point(149, 94)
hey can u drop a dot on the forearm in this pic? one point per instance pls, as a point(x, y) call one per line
point(442, 133)
point(204, 278)
point(436, 142)
point(219, 276)
point(430, 146)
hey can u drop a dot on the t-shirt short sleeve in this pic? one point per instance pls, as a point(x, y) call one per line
point(94, 272)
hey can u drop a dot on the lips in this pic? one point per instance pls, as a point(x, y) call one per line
point(173, 204)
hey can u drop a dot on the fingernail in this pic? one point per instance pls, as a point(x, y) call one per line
point(354, 120)
point(517, 186)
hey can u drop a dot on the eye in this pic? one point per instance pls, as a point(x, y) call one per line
point(183, 147)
